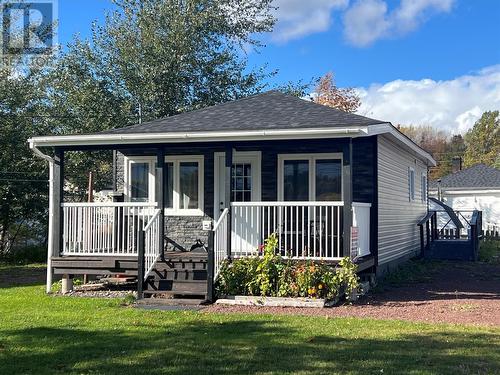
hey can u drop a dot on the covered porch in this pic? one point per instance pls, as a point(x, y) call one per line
point(221, 200)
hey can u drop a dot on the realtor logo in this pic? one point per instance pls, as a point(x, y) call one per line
point(28, 27)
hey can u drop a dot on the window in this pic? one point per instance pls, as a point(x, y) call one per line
point(316, 177)
point(183, 183)
point(241, 182)
point(139, 182)
point(328, 180)
point(296, 180)
point(188, 185)
point(139, 179)
point(411, 183)
point(424, 187)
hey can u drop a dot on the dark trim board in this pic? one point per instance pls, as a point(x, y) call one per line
point(94, 265)
point(365, 263)
point(109, 265)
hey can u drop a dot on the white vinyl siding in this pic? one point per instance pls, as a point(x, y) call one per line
point(398, 214)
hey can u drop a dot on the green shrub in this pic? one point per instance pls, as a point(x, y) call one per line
point(489, 251)
point(271, 275)
point(27, 255)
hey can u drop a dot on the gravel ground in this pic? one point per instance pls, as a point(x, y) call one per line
point(464, 293)
point(103, 290)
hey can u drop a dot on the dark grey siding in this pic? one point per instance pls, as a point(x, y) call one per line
point(183, 231)
point(364, 181)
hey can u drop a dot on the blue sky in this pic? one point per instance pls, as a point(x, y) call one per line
point(423, 62)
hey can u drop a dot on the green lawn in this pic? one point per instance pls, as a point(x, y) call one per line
point(42, 334)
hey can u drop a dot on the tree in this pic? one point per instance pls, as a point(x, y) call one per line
point(483, 141)
point(83, 99)
point(327, 93)
point(434, 141)
point(299, 89)
point(23, 178)
point(153, 59)
point(172, 56)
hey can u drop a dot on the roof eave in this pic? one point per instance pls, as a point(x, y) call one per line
point(388, 129)
point(179, 137)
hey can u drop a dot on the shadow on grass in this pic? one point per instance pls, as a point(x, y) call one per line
point(236, 347)
point(23, 275)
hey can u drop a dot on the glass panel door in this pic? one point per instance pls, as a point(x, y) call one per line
point(296, 180)
point(328, 180)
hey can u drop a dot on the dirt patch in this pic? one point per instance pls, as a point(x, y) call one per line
point(465, 293)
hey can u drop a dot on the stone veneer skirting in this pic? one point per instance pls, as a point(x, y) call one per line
point(183, 231)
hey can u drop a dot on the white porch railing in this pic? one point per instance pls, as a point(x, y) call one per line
point(104, 228)
point(308, 230)
point(220, 241)
point(152, 248)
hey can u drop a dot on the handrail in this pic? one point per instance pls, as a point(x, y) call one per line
point(151, 221)
point(287, 204)
point(221, 218)
point(475, 217)
point(109, 204)
point(426, 218)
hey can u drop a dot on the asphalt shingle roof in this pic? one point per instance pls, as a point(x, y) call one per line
point(266, 111)
point(478, 176)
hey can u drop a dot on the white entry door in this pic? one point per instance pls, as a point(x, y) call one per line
point(245, 187)
point(245, 179)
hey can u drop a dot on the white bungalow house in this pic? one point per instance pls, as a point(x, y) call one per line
point(330, 184)
point(473, 188)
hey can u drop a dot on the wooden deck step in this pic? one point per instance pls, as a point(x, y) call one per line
point(178, 274)
point(174, 293)
point(172, 301)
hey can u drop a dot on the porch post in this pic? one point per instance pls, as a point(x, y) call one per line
point(347, 192)
point(160, 197)
point(55, 240)
point(227, 198)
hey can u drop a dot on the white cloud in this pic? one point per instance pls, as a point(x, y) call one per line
point(366, 21)
point(452, 105)
point(297, 18)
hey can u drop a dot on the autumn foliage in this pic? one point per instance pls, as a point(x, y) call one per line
point(327, 93)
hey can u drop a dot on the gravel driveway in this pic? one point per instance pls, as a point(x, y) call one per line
point(465, 293)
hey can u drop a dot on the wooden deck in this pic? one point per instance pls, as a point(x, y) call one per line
point(94, 265)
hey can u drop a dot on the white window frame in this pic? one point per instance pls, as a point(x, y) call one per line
point(311, 158)
point(411, 187)
point(175, 160)
point(128, 161)
point(423, 181)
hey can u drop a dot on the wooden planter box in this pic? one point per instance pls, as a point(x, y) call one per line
point(274, 301)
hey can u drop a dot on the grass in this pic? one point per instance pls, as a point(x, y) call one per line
point(411, 272)
point(489, 251)
point(50, 335)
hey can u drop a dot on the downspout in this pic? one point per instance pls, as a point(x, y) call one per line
point(50, 240)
